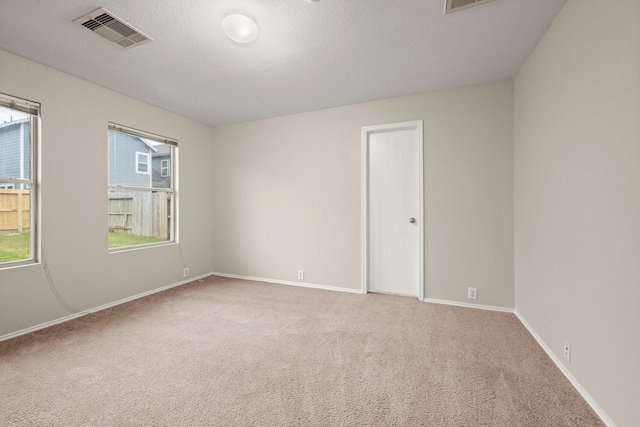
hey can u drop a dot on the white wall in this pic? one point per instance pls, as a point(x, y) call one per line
point(287, 193)
point(577, 197)
point(283, 194)
point(74, 203)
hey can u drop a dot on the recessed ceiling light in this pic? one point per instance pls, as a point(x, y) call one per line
point(240, 27)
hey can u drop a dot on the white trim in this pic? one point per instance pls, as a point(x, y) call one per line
point(366, 131)
point(41, 326)
point(119, 187)
point(421, 227)
point(573, 380)
point(166, 173)
point(138, 163)
point(142, 134)
point(22, 153)
point(175, 196)
point(448, 9)
point(149, 144)
point(36, 189)
point(130, 248)
point(467, 305)
point(17, 181)
point(289, 283)
point(99, 308)
point(33, 182)
point(23, 105)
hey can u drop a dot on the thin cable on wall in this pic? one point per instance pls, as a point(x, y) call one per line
point(54, 290)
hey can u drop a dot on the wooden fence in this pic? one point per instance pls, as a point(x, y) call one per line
point(140, 213)
point(15, 211)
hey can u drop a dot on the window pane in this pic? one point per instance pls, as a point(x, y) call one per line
point(140, 197)
point(139, 217)
point(160, 157)
point(143, 163)
point(15, 225)
point(164, 168)
point(15, 144)
point(16, 178)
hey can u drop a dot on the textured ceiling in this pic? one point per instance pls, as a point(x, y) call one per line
point(308, 56)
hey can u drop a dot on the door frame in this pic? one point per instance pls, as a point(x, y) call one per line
point(366, 132)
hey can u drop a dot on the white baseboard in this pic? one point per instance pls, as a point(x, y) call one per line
point(468, 305)
point(96, 309)
point(41, 326)
point(576, 384)
point(290, 283)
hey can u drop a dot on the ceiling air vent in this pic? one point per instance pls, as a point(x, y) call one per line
point(456, 5)
point(112, 28)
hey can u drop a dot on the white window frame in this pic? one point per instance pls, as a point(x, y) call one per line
point(165, 168)
point(33, 182)
point(140, 154)
point(172, 190)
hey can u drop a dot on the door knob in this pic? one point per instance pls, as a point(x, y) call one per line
point(412, 220)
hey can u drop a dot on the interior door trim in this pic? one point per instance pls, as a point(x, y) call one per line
point(366, 132)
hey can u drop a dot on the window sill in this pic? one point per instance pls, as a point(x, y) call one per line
point(140, 247)
point(18, 264)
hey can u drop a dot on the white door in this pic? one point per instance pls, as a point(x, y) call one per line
point(393, 211)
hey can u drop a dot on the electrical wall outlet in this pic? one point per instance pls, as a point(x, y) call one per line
point(300, 274)
point(567, 350)
point(185, 272)
point(472, 293)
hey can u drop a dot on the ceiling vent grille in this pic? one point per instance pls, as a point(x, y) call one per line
point(456, 5)
point(112, 28)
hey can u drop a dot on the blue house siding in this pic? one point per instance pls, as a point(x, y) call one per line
point(15, 137)
point(123, 160)
point(163, 154)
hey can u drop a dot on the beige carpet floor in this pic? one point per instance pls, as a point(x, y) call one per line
point(223, 352)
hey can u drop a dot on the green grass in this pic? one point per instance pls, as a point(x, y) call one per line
point(14, 247)
point(119, 240)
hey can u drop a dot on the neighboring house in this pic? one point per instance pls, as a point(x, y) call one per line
point(15, 162)
point(129, 160)
point(137, 162)
point(161, 167)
